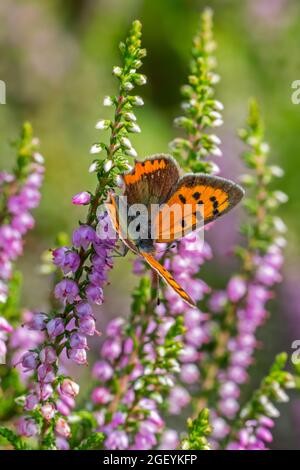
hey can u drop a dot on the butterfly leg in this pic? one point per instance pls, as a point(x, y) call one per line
point(121, 251)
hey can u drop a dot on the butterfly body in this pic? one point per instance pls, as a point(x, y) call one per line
point(159, 206)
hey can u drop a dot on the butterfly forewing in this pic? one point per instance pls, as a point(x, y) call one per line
point(199, 196)
point(151, 181)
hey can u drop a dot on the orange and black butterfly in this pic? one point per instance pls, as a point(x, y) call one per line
point(155, 182)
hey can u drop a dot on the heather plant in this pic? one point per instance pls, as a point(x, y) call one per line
point(166, 358)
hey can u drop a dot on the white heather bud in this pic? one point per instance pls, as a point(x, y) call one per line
point(157, 397)
point(162, 380)
point(272, 411)
point(119, 181)
point(215, 169)
point(277, 171)
point(138, 101)
point(169, 382)
point(140, 79)
point(38, 158)
point(280, 242)
point(252, 140)
point(93, 167)
point(290, 383)
point(35, 141)
point(281, 196)
point(138, 385)
point(108, 101)
point(135, 128)
point(130, 117)
point(281, 395)
point(264, 147)
point(279, 225)
point(214, 78)
point(117, 71)
point(125, 142)
point(95, 148)
point(128, 86)
point(215, 115)
point(185, 445)
point(216, 151)
point(131, 152)
point(161, 351)
point(148, 370)
point(103, 124)
point(217, 123)
point(108, 166)
point(215, 139)
point(218, 105)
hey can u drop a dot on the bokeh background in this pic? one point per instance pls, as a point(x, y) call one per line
point(56, 58)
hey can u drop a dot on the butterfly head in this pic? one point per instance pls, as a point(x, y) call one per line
point(145, 245)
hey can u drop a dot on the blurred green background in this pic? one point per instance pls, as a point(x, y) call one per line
point(56, 61)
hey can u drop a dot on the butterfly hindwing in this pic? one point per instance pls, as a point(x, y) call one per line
point(167, 276)
point(151, 181)
point(209, 196)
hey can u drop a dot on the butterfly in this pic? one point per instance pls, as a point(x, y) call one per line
point(156, 182)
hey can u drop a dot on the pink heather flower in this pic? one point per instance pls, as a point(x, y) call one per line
point(102, 371)
point(62, 428)
point(190, 373)
point(144, 441)
point(220, 428)
point(29, 361)
point(111, 349)
point(101, 395)
point(5, 326)
point(179, 398)
point(27, 427)
point(81, 199)
point(48, 355)
point(117, 440)
point(78, 341)
point(94, 294)
point(266, 422)
point(45, 392)
point(267, 275)
point(78, 356)
point(66, 259)
point(264, 434)
point(115, 327)
point(38, 322)
point(229, 407)
point(236, 288)
point(46, 373)
point(229, 389)
point(83, 309)
point(23, 222)
point(55, 327)
point(48, 411)
point(87, 326)
point(69, 388)
point(61, 443)
point(31, 402)
point(66, 291)
point(218, 301)
point(3, 351)
point(83, 236)
point(169, 440)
